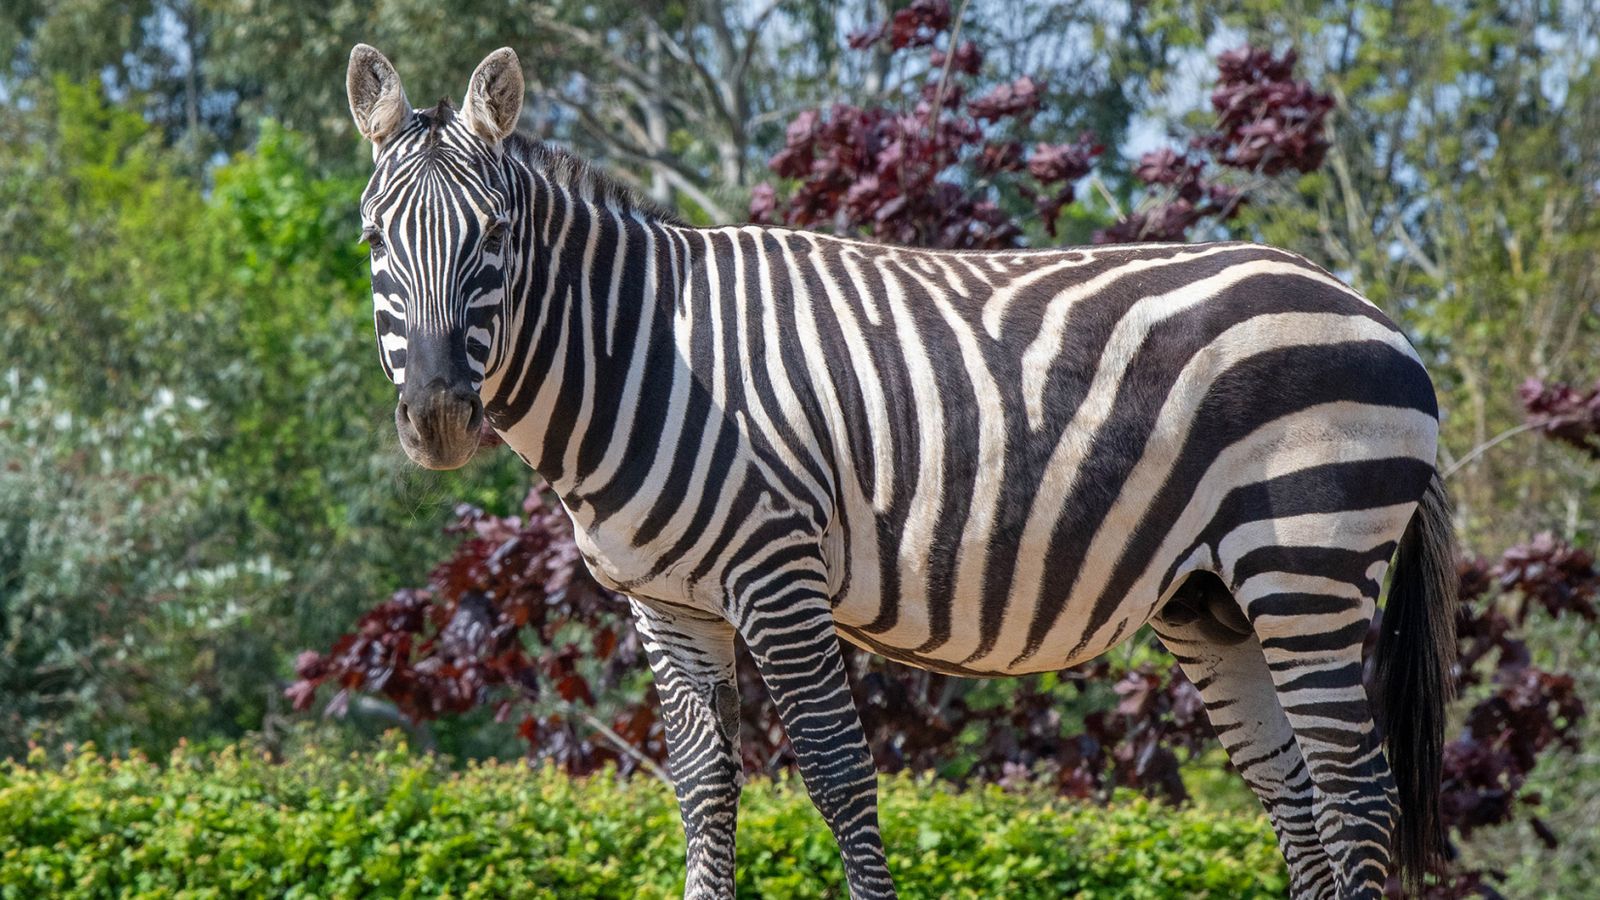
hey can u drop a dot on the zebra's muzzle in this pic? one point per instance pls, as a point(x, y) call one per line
point(439, 425)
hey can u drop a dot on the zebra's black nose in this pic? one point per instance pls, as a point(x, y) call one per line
point(439, 424)
point(442, 407)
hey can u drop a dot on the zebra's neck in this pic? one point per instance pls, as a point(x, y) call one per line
point(587, 322)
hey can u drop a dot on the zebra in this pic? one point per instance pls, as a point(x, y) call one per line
point(980, 463)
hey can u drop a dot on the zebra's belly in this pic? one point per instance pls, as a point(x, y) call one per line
point(970, 625)
point(1007, 657)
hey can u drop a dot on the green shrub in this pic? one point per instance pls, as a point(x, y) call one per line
point(397, 824)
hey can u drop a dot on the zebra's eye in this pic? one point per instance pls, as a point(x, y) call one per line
point(374, 241)
point(494, 236)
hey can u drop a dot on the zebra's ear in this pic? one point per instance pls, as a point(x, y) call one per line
point(494, 96)
point(377, 101)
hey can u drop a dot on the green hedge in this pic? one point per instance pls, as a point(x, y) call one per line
point(396, 824)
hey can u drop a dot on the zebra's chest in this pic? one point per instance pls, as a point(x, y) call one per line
point(618, 566)
point(619, 562)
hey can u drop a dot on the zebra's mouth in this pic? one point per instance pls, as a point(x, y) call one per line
point(440, 427)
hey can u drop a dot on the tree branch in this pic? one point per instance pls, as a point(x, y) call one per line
point(1482, 448)
point(616, 740)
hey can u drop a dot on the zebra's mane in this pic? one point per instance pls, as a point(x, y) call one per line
point(576, 175)
point(563, 167)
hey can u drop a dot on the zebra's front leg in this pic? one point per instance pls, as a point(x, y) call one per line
point(790, 632)
point(692, 658)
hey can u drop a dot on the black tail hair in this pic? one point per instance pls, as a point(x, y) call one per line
point(1415, 680)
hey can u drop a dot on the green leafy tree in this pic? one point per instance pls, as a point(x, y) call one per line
point(195, 458)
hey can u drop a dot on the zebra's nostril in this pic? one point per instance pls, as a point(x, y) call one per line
point(438, 413)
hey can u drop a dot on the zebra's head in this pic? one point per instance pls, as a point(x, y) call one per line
point(437, 215)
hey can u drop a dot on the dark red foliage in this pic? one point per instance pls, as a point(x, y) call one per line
point(1171, 167)
point(1182, 198)
point(995, 157)
point(914, 720)
point(1019, 99)
point(900, 173)
point(1168, 221)
point(905, 173)
point(1457, 885)
point(1528, 712)
point(1052, 163)
point(968, 59)
point(1267, 122)
point(1552, 574)
point(509, 620)
point(1159, 714)
point(917, 25)
point(1563, 413)
point(879, 171)
point(1486, 637)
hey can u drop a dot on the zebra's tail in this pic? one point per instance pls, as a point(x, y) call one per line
point(1414, 679)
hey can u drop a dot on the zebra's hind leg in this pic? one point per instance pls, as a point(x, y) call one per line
point(1311, 628)
point(1202, 627)
point(692, 659)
